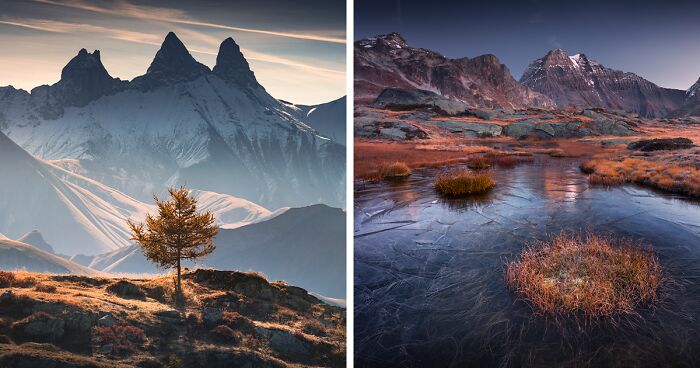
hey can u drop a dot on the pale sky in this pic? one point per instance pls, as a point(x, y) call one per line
point(295, 48)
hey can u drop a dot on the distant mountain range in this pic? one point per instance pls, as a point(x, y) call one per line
point(303, 246)
point(556, 80)
point(181, 123)
point(388, 61)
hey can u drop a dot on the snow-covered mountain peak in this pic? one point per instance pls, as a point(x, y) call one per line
point(693, 90)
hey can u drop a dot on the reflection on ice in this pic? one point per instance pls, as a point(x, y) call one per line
point(429, 272)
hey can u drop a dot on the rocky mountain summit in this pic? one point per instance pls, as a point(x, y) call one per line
point(216, 130)
point(578, 81)
point(387, 61)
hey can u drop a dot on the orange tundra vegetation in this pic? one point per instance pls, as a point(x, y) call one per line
point(463, 182)
point(669, 177)
point(594, 275)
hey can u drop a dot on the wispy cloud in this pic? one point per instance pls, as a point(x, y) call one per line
point(127, 9)
point(46, 25)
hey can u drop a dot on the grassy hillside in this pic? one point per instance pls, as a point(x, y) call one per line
point(230, 319)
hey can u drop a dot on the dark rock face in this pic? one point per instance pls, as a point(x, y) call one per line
point(648, 145)
point(408, 99)
point(581, 82)
point(172, 63)
point(691, 106)
point(388, 61)
point(83, 80)
point(232, 66)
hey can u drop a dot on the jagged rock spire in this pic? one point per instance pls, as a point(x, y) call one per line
point(232, 66)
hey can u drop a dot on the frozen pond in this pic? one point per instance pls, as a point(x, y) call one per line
point(429, 273)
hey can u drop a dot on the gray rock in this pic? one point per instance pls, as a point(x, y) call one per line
point(284, 342)
point(6, 296)
point(45, 327)
point(106, 348)
point(392, 133)
point(408, 99)
point(107, 320)
point(468, 128)
point(211, 315)
point(79, 321)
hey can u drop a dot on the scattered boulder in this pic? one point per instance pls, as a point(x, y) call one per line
point(468, 128)
point(79, 321)
point(126, 289)
point(41, 326)
point(169, 315)
point(387, 129)
point(211, 315)
point(107, 320)
point(412, 99)
point(285, 342)
point(658, 144)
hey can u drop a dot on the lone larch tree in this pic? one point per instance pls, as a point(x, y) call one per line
point(178, 232)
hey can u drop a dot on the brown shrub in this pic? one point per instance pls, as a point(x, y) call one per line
point(462, 182)
point(594, 275)
point(45, 288)
point(125, 339)
point(395, 170)
point(478, 163)
point(7, 279)
point(684, 179)
point(225, 333)
point(238, 322)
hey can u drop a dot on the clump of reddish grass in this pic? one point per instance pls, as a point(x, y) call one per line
point(478, 163)
point(684, 179)
point(7, 279)
point(395, 170)
point(125, 339)
point(594, 275)
point(462, 182)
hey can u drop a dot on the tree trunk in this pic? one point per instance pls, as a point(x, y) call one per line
point(178, 291)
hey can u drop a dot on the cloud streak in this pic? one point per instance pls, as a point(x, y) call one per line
point(52, 26)
point(124, 8)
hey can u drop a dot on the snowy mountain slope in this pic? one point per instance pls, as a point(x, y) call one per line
point(16, 255)
point(328, 118)
point(76, 214)
point(582, 82)
point(182, 123)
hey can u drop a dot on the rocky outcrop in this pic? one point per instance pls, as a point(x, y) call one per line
point(582, 82)
point(647, 145)
point(387, 61)
point(410, 99)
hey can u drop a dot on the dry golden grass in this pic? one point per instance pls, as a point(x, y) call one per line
point(684, 179)
point(463, 182)
point(478, 163)
point(593, 275)
point(370, 156)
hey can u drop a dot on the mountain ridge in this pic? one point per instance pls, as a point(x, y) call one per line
point(578, 81)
